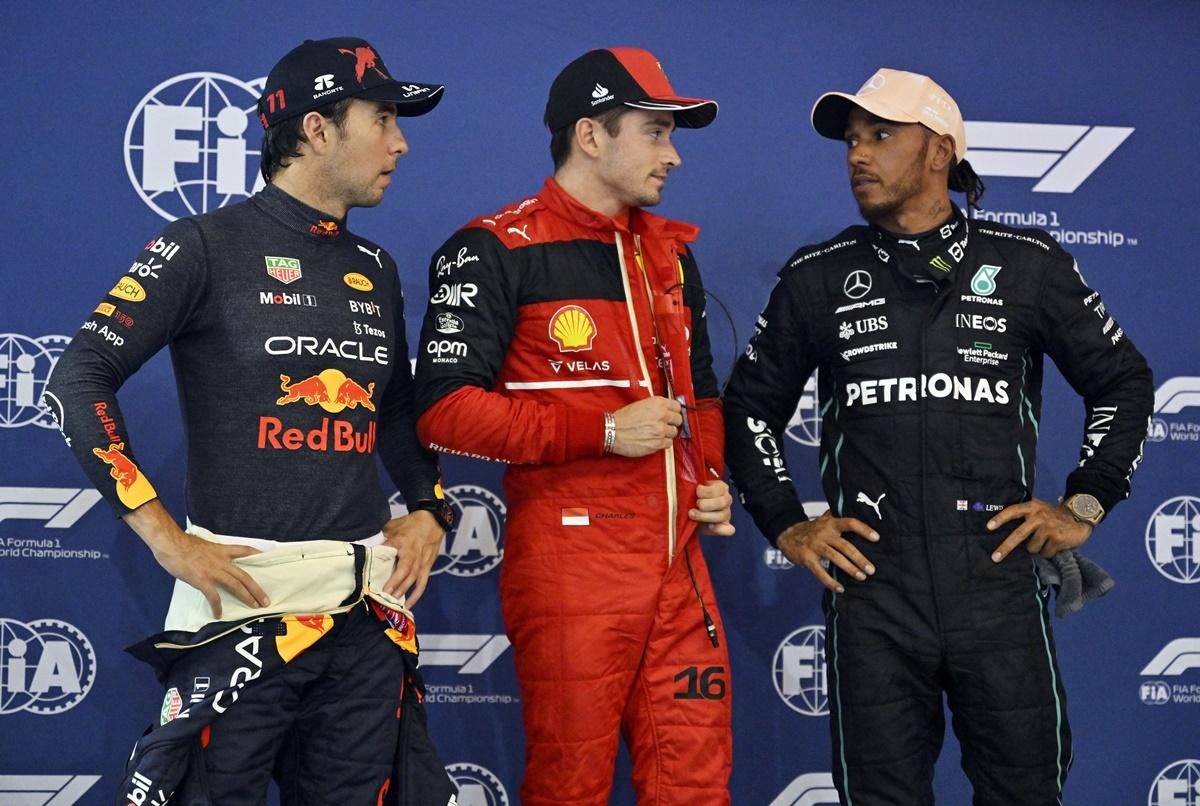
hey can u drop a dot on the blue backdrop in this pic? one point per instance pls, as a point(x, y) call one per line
point(90, 177)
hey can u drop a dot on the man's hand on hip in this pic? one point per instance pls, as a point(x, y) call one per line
point(647, 426)
point(809, 542)
point(714, 509)
point(201, 563)
point(416, 538)
point(1047, 528)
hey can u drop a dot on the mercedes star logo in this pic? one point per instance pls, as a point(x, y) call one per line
point(857, 284)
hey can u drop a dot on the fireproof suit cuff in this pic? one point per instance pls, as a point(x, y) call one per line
point(583, 433)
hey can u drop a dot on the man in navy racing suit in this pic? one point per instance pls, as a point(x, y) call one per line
point(928, 331)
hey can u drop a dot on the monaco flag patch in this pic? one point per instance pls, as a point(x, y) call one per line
point(575, 516)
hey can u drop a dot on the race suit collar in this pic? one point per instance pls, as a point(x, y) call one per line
point(299, 216)
point(640, 222)
point(925, 256)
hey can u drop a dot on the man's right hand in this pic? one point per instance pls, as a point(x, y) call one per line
point(200, 563)
point(807, 543)
point(647, 426)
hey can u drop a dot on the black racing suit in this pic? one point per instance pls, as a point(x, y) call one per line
point(929, 360)
point(287, 339)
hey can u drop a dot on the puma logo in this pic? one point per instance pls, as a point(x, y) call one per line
point(521, 232)
point(374, 254)
point(864, 499)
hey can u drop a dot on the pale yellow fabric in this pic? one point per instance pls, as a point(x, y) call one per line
point(313, 576)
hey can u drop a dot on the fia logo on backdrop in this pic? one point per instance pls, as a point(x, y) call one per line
point(1177, 785)
point(477, 786)
point(1173, 398)
point(192, 143)
point(475, 545)
point(1173, 539)
point(799, 671)
point(47, 666)
point(25, 366)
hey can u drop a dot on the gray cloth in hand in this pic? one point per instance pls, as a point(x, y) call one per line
point(1076, 580)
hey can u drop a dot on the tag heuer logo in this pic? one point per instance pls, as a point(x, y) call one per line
point(284, 269)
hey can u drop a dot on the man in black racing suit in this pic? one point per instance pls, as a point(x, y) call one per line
point(928, 331)
point(287, 339)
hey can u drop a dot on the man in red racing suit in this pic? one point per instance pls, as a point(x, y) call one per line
point(566, 336)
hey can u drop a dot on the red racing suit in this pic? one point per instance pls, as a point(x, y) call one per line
point(544, 316)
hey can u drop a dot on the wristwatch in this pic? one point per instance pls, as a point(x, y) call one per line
point(439, 509)
point(1085, 508)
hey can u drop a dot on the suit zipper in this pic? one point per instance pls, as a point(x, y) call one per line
point(669, 453)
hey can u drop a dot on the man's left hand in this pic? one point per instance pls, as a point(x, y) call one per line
point(1049, 529)
point(416, 538)
point(714, 509)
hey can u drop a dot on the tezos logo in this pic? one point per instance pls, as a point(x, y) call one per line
point(46, 666)
point(1177, 785)
point(1034, 150)
point(1173, 539)
point(477, 786)
point(805, 425)
point(25, 365)
point(476, 543)
point(190, 146)
point(799, 671)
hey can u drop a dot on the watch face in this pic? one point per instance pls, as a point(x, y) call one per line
point(1085, 506)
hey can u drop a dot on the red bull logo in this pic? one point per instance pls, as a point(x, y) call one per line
point(327, 228)
point(332, 391)
point(365, 59)
point(132, 488)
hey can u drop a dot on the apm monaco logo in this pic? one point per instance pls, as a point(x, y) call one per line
point(1177, 785)
point(47, 666)
point(477, 786)
point(1177, 659)
point(190, 146)
point(1173, 539)
point(812, 789)
point(1175, 395)
point(475, 544)
point(805, 425)
point(799, 671)
point(572, 329)
point(1060, 156)
point(52, 790)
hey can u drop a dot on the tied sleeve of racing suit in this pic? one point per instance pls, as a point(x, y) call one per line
point(149, 304)
point(464, 340)
point(1102, 365)
point(704, 380)
point(766, 385)
point(413, 469)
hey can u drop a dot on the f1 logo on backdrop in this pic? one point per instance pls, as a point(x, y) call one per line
point(812, 789)
point(192, 144)
point(1060, 156)
point(1177, 785)
point(59, 507)
point(475, 544)
point(1175, 395)
point(799, 671)
point(46, 666)
point(477, 786)
point(1173, 539)
point(471, 654)
point(51, 790)
point(1176, 658)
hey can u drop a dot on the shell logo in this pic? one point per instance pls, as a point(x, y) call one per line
point(572, 329)
point(358, 282)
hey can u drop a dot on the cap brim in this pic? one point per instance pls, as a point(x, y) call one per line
point(830, 112)
point(690, 113)
point(411, 99)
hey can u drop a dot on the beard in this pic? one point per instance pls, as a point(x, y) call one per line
point(895, 194)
